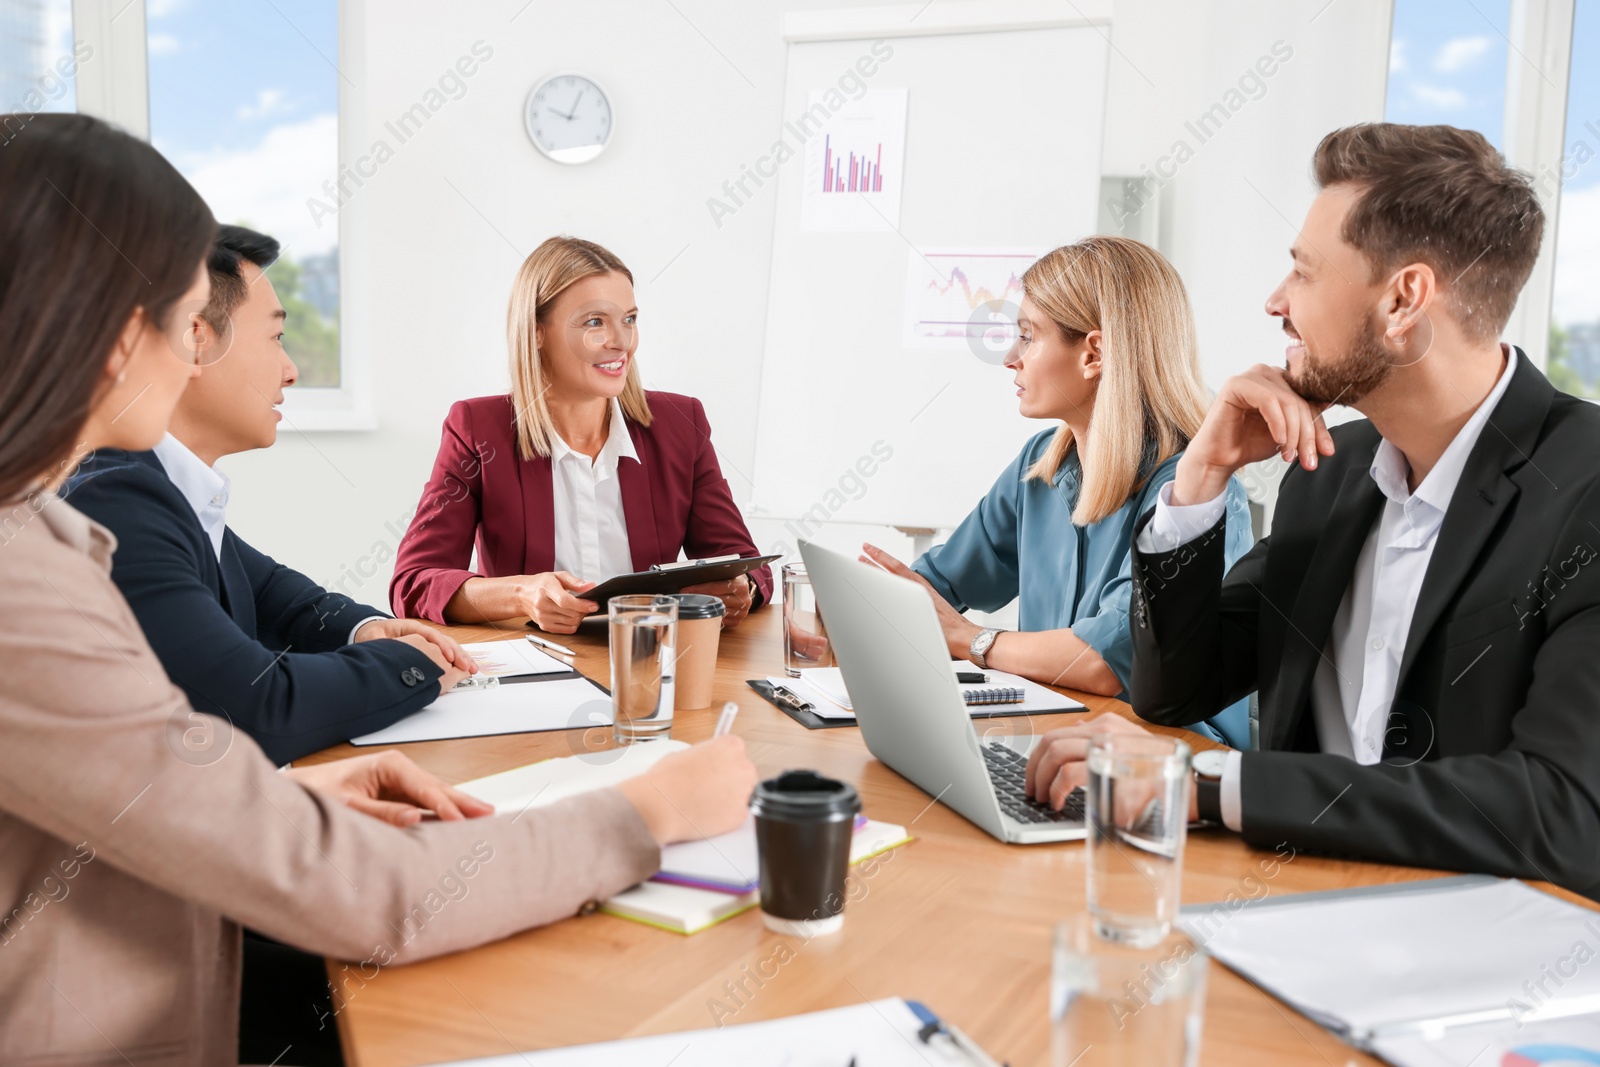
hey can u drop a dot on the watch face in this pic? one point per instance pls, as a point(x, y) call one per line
point(1210, 763)
point(568, 118)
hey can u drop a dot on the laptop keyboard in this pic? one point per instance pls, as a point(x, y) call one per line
point(1008, 770)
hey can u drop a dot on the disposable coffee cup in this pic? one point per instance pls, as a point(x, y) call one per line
point(804, 823)
point(699, 630)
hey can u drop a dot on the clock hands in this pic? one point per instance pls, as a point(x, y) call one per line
point(565, 115)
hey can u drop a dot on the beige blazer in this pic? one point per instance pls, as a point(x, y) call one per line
point(136, 836)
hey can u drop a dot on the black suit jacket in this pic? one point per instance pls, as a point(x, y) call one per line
point(246, 638)
point(1492, 755)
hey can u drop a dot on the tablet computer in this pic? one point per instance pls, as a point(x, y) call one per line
point(673, 577)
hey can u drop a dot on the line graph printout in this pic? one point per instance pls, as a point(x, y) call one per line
point(855, 162)
point(964, 299)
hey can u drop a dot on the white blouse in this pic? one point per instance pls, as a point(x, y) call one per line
point(591, 530)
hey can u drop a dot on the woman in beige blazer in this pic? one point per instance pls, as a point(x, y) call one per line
point(129, 856)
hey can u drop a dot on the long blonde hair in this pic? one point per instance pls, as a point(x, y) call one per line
point(549, 271)
point(1150, 395)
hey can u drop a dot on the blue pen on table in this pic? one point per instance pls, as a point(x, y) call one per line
point(730, 711)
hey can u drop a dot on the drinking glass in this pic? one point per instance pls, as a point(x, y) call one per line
point(805, 638)
point(1137, 811)
point(1115, 1004)
point(643, 637)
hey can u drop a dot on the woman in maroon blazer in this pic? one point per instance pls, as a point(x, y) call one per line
point(577, 475)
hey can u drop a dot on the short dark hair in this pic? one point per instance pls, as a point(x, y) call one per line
point(94, 226)
point(1441, 196)
point(234, 246)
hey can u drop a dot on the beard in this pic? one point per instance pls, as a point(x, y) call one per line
point(1346, 379)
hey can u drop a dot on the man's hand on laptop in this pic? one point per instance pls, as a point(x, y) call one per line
point(1056, 766)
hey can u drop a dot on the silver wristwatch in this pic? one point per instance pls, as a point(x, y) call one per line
point(981, 644)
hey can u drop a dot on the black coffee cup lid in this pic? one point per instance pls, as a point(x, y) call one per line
point(699, 606)
point(805, 796)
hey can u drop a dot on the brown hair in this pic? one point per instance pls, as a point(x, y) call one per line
point(549, 271)
point(1151, 399)
point(1444, 197)
point(94, 226)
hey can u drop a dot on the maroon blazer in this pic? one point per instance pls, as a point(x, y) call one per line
point(673, 498)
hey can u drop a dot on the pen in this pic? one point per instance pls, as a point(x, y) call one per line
point(730, 711)
point(542, 643)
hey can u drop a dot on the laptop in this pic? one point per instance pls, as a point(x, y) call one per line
point(886, 637)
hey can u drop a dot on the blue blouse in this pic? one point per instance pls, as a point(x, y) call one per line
point(1020, 543)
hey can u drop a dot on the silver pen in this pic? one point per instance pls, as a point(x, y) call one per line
point(551, 645)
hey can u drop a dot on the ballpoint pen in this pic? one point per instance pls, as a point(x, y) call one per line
point(730, 711)
point(542, 643)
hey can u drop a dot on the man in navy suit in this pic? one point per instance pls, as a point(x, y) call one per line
point(297, 667)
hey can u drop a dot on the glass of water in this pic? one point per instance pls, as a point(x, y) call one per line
point(644, 632)
point(805, 639)
point(1137, 810)
point(1133, 1006)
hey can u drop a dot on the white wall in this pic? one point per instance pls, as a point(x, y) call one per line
point(696, 95)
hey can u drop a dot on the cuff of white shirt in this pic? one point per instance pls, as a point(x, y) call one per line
point(1173, 525)
point(370, 618)
point(1232, 802)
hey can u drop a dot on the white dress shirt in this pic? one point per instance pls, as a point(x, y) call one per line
point(591, 530)
point(1360, 666)
point(206, 490)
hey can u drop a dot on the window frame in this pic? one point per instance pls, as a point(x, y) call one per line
point(115, 85)
point(1535, 141)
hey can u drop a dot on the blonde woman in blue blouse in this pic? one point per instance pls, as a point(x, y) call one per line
point(1106, 350)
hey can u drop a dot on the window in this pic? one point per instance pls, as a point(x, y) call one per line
point(244, 100)
point(38, 66)
point(1447, 65)
point(1573, 362)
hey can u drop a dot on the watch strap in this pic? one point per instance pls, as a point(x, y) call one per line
point(1208, 798)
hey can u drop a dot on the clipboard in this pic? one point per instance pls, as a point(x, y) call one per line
point(671, 577)
point(812, 721)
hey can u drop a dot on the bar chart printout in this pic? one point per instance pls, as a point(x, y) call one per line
point(854, 163)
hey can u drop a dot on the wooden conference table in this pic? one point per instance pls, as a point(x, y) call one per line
point(954, 919)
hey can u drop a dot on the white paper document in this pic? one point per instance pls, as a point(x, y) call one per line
point(513, 659)
point(515, 708)
point(879, 1033)
point(1427, 957)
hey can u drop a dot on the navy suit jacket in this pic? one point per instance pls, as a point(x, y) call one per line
point(246, 638)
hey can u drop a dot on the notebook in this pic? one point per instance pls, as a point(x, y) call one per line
point(548, 781)
point(728, 863)
point(687, 909)
point(1411, 971)
point(700, 882)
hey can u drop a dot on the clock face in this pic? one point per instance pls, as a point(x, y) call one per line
point(569, 118)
